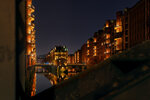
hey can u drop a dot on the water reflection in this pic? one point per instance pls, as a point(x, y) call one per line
point(52, 78)
point(30, 82)
point(40, 78)
point(42, 83)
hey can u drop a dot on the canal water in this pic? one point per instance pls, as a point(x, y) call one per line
point(39, 79)
point(42, 83)
point(45, 81)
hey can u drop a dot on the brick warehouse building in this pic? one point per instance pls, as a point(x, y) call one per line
point(70, 59)
point(131, 27)
point(118, 33)
point(101, 46)
point(139, 22)
point(93, 49)
point(84, 53)
point(108, 32)
point(78, 57)
point(89, 50)
point(30, 34)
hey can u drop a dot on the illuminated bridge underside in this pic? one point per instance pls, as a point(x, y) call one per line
point(124, 76)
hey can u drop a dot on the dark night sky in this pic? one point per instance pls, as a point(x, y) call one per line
point(72, 22)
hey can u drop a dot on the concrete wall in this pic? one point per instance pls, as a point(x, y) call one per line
point(140, 91)
point(7, 50)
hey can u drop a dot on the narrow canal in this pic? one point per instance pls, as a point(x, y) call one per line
point(40, 78)
point(42, 83)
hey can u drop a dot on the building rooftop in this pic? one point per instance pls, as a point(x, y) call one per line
point(60, 49)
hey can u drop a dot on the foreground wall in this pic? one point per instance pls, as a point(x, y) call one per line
point(12, 39)
point(124, 76)
point(7, 50)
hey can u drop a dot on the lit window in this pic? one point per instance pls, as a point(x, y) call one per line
point(95, 40)
point(118, 27)
point(29, 14)
point(107, 25)
point(94, 54)
point(118, 43)
point(88, 45)
point(107, 36)
point(88, 42)
point(107, 41)
point(30, 32)
point(94, 48)
point(29, 40)
point(95, 51)
point(107, 50)
point(29, 23)
point(88, 52)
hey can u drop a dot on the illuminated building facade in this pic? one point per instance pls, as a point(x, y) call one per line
point(33, 90)
point(89, 50)
point(109, 38)
point(101, 45)
point(95, 47)
point(118, 35)
point(58, 56)
point(131, 27)
point(78, 57)
point(30, 34)
point(41, 59)
point(70, 59)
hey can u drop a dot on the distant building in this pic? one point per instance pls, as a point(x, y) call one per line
point(89, 50)
point(108, 43)
point(93, 49)
point(70, 59)
point(118, 35)
point(101, 45)
point(84, 53)
point(78, 57)
point(47, 58)
point(41, 59)
point(131, 27)
point(58, 56)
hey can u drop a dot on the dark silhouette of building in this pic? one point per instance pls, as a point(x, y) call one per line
point(84, 53)
point(139, 23)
